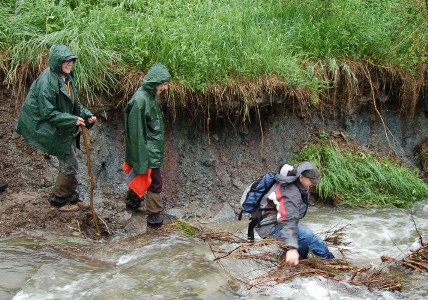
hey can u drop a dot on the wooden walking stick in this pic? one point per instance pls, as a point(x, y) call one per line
point(91, 177)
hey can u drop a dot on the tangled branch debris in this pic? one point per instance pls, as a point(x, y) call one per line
point(226, 245)
point(338, 270)
point(417, 260)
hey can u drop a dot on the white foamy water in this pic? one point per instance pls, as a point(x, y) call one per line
point(170, 267)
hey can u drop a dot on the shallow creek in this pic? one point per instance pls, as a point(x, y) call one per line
point(177, 267)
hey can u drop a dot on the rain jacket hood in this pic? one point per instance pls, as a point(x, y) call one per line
point(156, 75)
point(57, 55)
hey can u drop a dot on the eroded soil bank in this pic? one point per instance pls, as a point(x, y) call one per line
point(204, 172)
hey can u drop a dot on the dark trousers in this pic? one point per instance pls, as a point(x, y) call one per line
point(156, 185)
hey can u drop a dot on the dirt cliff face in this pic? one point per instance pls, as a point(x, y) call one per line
point(204, 171)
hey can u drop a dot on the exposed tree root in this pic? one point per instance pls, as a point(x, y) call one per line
point(348, 84)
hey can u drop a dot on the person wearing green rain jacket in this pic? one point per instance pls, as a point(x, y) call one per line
point(144, 136)
point(50, 120)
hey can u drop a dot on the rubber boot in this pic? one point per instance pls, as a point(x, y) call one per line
point(75, 200)
point(155, 208)
point(64, 190)
point(133, 202)
point(3, 186)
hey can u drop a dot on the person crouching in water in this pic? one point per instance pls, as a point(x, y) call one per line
point(144, 135)
point(286, 206)
point(50, 120)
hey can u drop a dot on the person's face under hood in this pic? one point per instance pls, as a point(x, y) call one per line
point(162, 88)
point(156, 79)
point(57, 55)
point(67, 67)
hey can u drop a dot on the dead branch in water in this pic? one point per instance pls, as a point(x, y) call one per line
point(417, 260)
point(269, 255)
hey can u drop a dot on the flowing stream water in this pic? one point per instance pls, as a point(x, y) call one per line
point(172, 266)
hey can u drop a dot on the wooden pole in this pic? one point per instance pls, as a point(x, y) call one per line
point(91, 177)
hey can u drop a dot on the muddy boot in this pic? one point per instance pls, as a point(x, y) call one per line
point(3, 186)
point(155, 208)
point(75, 200)
point(69, 208)
point(132, 201)
point(57, 201)
point(63, 192)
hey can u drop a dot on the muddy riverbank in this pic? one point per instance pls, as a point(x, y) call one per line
point(204, 172)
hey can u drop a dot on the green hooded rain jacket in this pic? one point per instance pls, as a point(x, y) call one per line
point(144, 124)
point(48, 116)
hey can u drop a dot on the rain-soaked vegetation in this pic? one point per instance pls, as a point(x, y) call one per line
point(353, 177)
point(221, 52)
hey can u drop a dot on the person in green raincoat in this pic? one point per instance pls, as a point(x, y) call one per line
point(50, 120)
point(145, 141)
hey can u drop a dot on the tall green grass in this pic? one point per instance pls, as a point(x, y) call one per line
point(207, 42)
point(358, 179)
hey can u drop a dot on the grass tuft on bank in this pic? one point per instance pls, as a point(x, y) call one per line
point(355, 178)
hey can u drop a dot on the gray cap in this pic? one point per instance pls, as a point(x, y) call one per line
point(309, 170)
